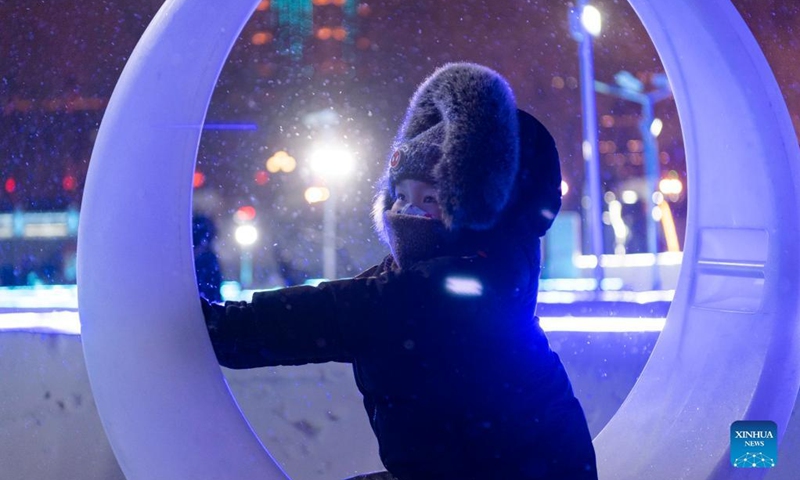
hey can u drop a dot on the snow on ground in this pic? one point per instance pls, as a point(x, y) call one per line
point(310, 417)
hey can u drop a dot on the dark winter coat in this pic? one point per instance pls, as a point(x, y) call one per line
point(457, 377)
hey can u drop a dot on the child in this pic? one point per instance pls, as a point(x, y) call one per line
point(457, 376)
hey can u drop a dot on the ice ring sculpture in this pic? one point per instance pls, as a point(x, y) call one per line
point(728, 352)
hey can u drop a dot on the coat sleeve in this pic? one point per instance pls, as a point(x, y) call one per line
point(291, 326)
point(343, 319)
point(302, 324)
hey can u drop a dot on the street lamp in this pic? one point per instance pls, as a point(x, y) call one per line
point(333, 164)
point(628, 87)
point(632, 89)
point(246, 235)
point(585, 22)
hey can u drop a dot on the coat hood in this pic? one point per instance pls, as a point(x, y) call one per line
point(494, 166)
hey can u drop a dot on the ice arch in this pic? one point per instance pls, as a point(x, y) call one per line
point(728, 352)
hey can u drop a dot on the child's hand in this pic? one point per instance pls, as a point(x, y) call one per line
point(210, 316)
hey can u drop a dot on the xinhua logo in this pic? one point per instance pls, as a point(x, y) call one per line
point(754, 444)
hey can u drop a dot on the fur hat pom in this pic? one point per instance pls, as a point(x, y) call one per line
point(460, 133)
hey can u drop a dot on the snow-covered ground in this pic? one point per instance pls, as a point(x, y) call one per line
point(310, 418)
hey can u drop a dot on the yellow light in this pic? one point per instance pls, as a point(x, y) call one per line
point(656, 127)
point(670, 232)
point(317, 194)
point(281, 162)
point(288, 164)
point(564, 188)
point(670, 186)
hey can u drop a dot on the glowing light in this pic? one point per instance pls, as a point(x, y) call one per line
point(10, 185)
point(670, 186)
point(592, 20)
point(564, 188)
point(281, 162)
point(263, 5)
point(230, 126)
point(245, 214)
point(668, 224)
point(657, 197)
point(317, 194)
point(331, 162)
point(261, 38)
point(69, 182)
point(629, 197)
point(363, 10)
point(44, 322)
point(601, 324)
point(620, 229)
point(246, 235)
point(635, 146)
point(629, 260)
point(587, 150)
point(198, 179)
point(324, 33)
point(464, 286)
point(363, 43)
point(656, 127)
point(339, 33)
point(68, 322)
point(261, 177)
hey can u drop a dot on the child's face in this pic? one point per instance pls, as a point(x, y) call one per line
point(420, 194)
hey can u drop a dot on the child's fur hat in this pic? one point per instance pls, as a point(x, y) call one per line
point(461, 133)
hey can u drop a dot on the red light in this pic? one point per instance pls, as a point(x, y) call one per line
point(10, 185)
point(261, 177)
point(69, 183)
point(198, 180)
point(245, 214)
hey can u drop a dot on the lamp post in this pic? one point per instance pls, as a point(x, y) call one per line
point(333, 164)
point(246, 235)
point(585, 22)
point(630, 88)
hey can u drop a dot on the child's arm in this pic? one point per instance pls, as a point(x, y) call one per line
point(342, 319)
point(291, 326)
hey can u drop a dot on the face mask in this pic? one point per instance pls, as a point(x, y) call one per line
point(411, 209)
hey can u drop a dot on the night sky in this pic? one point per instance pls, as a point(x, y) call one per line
point(59, 62)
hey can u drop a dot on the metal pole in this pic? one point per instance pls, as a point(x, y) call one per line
point(651, 173)
point(591, 159)
point(329, 237)
point(246, 268)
